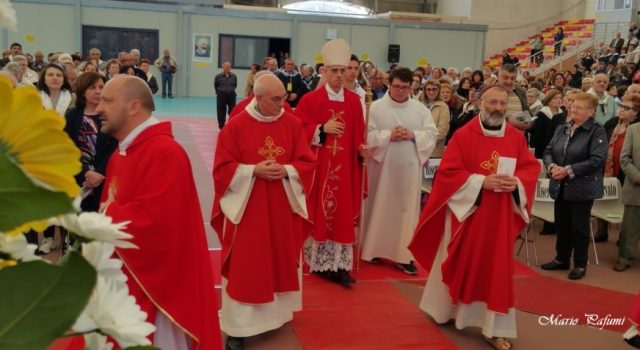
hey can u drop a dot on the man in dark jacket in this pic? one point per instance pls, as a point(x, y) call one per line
point(225, 85)
point(292, 81)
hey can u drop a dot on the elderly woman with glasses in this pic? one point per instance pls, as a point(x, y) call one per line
point(439, 112)
point(575, 159)
point(616, 129)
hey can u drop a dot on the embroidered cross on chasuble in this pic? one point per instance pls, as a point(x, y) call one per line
point(491, 165)
point(270, 151)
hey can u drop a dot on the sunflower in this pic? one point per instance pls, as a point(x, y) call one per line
point(34, 139)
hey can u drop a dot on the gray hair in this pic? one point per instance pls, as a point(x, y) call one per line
point(95, 49)
point(20, 58)
point(134, 50)
point(14, 69)
point(535, 91)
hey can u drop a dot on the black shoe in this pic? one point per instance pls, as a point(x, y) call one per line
point(342, 277)
point(554, 265)
point(577, 273)
point(164, 96)
point(170, 96)
point(234, 343)
point(409, 269)
point(375, 261)
point(635, 341)
point(601, 238)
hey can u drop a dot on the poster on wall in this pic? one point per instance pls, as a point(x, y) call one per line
point(202, 47)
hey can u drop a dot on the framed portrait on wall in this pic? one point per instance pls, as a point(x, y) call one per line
point(202, 47)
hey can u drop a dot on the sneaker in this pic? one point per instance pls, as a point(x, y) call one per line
point(409, 269)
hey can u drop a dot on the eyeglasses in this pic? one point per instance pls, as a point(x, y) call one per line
point(626, 107)
point(400, 87)
point(431, 89)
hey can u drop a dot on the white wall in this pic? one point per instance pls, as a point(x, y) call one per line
point(307, 33)
point(457, 8)
point(38, 21)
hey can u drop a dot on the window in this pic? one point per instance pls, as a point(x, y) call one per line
point(111, 41)
point(243, 51)
point(607, 5)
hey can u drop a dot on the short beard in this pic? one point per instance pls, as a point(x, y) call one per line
point(492, 119)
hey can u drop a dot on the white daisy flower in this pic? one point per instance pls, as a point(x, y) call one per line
point(95, 341)
point(18, 248)
point(115, 313)
point(99, 255)
point(97, 227)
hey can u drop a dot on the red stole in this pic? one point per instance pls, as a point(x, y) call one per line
point(171, 271)
point(336, 195)
point(260, 255)
point(479, 266)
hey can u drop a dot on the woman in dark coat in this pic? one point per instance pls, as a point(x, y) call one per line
point(575, 159)
point(83, 127)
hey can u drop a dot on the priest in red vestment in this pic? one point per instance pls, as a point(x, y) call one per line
point(332, 116)
point(262, 173)
point(479, 204)
point(150, 183)
point(245, 102)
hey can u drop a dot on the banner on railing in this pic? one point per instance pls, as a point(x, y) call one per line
point(430, 170)
point(611, 185)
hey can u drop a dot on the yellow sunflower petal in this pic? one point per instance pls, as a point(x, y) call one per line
point(36, 140)
point(38, 226)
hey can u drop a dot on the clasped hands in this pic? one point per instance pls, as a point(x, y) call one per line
point(500, 183)
point(558, 172)
point(270, 170)
point(400, 133)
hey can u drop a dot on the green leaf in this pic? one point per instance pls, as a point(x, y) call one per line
point(22, 201)
point(40, 302)
point(140, 347)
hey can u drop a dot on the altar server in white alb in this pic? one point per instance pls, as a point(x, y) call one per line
point(401, 136)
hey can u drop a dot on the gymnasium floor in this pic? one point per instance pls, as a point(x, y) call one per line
point(380, 311)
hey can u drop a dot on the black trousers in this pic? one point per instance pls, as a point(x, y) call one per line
point(225, 104)
point(572, 221)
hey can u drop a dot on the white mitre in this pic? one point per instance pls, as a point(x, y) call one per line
point(336, 53)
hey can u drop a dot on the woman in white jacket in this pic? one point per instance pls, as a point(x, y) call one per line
point(55, 90)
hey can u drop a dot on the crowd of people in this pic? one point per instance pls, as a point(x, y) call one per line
point(289, 176)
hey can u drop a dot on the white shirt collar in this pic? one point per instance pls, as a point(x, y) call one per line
point(127, 141)
point(492, 133)
point(333, 96)
point(253, 111)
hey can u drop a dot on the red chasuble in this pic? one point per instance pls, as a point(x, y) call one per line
point(336, 195)
point(171, 270)
point(260, 255)
point(479, 266)
point(244, 103)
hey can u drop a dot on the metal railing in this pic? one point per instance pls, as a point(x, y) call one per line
point(567, 52)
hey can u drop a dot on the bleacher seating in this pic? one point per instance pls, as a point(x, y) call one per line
point(576, 32)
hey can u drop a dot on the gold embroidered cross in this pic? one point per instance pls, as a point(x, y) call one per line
point(492, 164)
point(270, 151)
point(334, 147)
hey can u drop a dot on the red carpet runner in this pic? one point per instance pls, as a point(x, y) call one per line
point(374, 315)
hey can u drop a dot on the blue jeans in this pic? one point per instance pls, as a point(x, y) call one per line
point(167, 80)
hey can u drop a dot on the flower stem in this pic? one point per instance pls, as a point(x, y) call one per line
point(75, 334)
